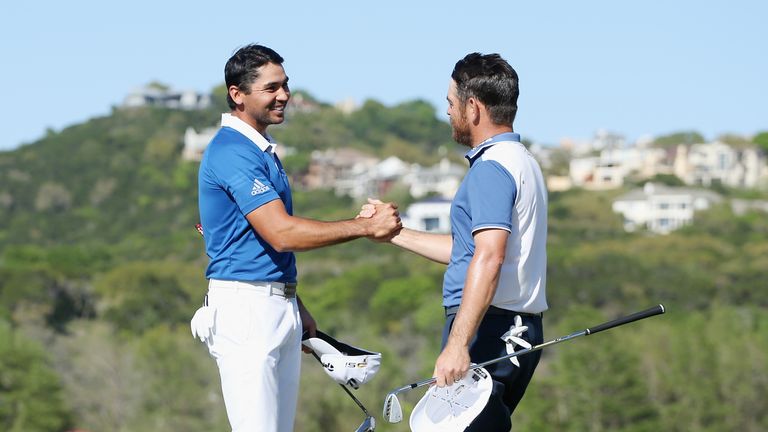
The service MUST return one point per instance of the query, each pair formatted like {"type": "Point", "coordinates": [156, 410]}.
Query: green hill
{"type": "Point", "coordinates": [101, 269]}
{"type": "Point", "coordinates": [119, 180]}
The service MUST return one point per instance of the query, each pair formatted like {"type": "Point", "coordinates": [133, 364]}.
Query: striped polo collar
{"type": "Point", "coordinates": [473, 153]}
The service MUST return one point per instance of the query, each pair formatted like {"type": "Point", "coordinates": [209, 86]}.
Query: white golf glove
{"type": "Point", "coordinates": [513, 338]}
{"type": "Point", "coordinates": [202, 323]}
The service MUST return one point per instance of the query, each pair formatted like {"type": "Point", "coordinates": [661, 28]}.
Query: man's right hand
{"type": "Point", "coordinates": [384, 220]}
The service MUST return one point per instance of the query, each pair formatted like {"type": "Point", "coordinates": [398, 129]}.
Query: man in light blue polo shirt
{"type": "Point", "coordinates": [496, 253]}
{"type": "Point", "coordinates": [253, 320]}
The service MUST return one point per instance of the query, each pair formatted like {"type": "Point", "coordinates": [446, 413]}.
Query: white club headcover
{"type": "Point", "coordinates": [513, 338]}
{"type": "Point", "coordinates": [452, 408]}
{"type": "Point", "coordinates": [344, 363]}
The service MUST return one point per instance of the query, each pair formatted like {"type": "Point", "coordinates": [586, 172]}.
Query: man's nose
{"type": "Point", "coordinates": [283, 94]}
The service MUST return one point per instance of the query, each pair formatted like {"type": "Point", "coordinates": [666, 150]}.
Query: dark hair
{"type": "Point", "coordinates": [242, 68]}
{"type": "Point", "coordinates": [491, 80]}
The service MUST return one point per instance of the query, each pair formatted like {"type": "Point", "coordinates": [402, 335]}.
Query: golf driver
{"type": "Point", "coordinates": [369, 424]}
{"type": "Point", "coordinates": [393, 412]}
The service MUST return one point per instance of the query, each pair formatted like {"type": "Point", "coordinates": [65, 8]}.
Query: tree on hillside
{"type": "Point", "coordinates": [671, 140]}
{"type": "Point", "coordinates": [180, 381]}
{"type": "Point", "coordinates": [559, 162]}
{"type": "Point", "coordinates": [139, 296]}
{"type": "Point", "coordinates": [158, 86]}
{"type": "Point", "coordinates": [665, 179]}
{"type": "Point", "coordinates": [102, 380]}
{"type": "Point", "coordinates": [761, 140]}
{"type": "Point", "coordinates": [736, 141]}
{"type": "Point", "coordinates": [31, 396]}
{"type": "Point", "coordinates": [219, 98]}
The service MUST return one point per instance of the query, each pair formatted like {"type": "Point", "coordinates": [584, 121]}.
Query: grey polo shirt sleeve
{"type": "Point", "coordinates": [492, 193]}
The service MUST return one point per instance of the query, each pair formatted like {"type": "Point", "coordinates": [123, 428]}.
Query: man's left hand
{"type": "Point", "coordinates": [451, 365]}
{"type": "Point", "coordinates": [308, 324]}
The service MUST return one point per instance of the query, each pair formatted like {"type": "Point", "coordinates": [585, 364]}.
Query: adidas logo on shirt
{"type": "Point", "coordinates": [258, 187]}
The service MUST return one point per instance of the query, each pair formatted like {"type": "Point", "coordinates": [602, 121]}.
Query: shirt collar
{"type": "Point", "coordinates": [472, 154]}
{"type": "Point", "coordinates": [266, 144]}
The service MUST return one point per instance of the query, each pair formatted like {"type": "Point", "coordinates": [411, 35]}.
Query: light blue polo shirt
{"type": "Point", "coordinates": [239, 173]}
{"type": "Point", "coordinates": [503, 189]}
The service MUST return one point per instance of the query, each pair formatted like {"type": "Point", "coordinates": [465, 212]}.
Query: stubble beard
{"type": "Point", "coordinates": [461, 132]}
{"type": "Point", "coordinates": [269, 118]}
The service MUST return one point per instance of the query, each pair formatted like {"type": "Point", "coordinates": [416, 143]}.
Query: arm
{"type": "Point", "coordinates": [308, 323]}
{"type": "Point", "coordinates": [291, 233]}
{"type": "Point", "coordinates": [479, 289]}
{"type": "Point", "coordinates": [436, 247]}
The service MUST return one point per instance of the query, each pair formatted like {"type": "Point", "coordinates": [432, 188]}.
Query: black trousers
{"type": "Point", "coordinates": [509, 381]}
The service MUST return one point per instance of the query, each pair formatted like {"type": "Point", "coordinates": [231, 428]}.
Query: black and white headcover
{"type": "Point", "coordinates": [344, 363]}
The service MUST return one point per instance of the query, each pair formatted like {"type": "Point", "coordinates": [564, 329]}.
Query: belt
{"type": "Point", "coordinates": [493, 310]}
{"type": "Point", "coordinates": [282, 289]}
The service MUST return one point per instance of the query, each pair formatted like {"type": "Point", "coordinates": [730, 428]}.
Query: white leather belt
{"type": "Point", "coordinates": [287, 290]}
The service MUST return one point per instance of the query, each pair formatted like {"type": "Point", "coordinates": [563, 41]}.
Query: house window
{"type": "Point", "coordinates": [663, 206]}
{"type": "Point", "coordinates": [431, 224]}
{"type": "Point", "coordinates": [723, 162]}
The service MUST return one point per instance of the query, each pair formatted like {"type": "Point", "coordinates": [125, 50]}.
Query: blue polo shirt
{"type": "Point", "coordinates": [239, 173]}
{"type": "Point", "coordinates": [503, 189]}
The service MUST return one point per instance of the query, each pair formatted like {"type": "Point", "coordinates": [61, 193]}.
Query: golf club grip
{"type": "Point", "coordinates": [656, 310]}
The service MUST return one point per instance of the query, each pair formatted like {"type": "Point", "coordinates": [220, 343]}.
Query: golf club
{"type": "Point", "coordinates": [393, 412]}
{"type": "Point", "coordinates": [369, 424]}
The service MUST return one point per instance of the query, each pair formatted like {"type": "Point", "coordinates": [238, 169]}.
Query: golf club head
{"type": "Point", "coordinates": [393, 412]}
{"type": "Point", "coordinates": [368, 425]}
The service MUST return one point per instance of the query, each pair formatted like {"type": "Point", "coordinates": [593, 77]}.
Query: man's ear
{"type": "Point", "coordinates": [236, 94]}
{"type": "Point", "coordinates": [474, 107]}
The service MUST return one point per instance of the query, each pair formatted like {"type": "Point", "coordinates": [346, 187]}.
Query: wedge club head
{"type": "Point", "coordinates": [393, 412]}
{"type": "Point", "coordinates": [368, 425]}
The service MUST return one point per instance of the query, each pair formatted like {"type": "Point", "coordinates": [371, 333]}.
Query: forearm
{"type": "Point", "coordinates": [479, 289]}
{"type": "Point", "coordinates": [300, 234]}
{"type": "Point", "coordinates": [436, 247]}
{"type": "Point", "coordinates": [285, 232]}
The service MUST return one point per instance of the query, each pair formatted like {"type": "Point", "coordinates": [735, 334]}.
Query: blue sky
{"type": "Point", "coordinates": [636, 68]}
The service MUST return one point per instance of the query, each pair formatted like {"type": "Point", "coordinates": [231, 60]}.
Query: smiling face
{"type": "Point", "coordinates": [265, 100]}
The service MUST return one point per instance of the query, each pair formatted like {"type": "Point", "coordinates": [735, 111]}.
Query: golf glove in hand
{"type": "Point", "coordinates": [202, 323]}
{"type": "Point", "coordinates": [513, 338]}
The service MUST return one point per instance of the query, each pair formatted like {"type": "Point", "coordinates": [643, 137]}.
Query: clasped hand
{"type": "Point", "coordinates": [383, 218]}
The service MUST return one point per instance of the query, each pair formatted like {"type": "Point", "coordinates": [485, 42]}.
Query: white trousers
{"type": "Point", "coordinates": [256, 341]}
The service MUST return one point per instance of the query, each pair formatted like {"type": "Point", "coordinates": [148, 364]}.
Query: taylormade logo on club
{"type": "Point", "coordinates": [352, 365]}
{"type": "Point", "coordinates": [258, 187]}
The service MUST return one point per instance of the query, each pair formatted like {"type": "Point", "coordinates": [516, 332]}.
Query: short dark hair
{"type": "Point", "coordinates": [491, 80]}
{"type": "Point", "coordinates": [242, 68]}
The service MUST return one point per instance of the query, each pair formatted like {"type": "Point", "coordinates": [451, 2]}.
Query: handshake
{"type": "Point", "coordinates": [383, 220]}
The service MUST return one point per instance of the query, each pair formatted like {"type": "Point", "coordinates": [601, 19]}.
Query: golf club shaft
{"type": "Point", "coordinates": [345, 389]}
{"type": "Point", "coordinates": [656, 310]}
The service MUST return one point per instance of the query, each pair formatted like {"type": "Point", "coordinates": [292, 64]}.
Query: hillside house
{"type": "Point", "coordinates": [442, 179]}
{"type": "Point", "coordinates": [430, 215]}
{"type": "Point", "coordinates": [166, 98]}
{"type": "Point", "coordinates": [717, 162]}
{"type": "Point", "coordinates": [662, 209]}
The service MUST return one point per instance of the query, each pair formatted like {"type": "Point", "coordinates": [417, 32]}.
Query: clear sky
{"type": "Point", "coordinates": [635, 68]}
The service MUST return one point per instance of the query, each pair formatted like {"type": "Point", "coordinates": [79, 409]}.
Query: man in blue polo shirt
{"type": "Point", "coordinates": [496, 253]}
{"type": "Point", "coordinates": [253, 320]}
